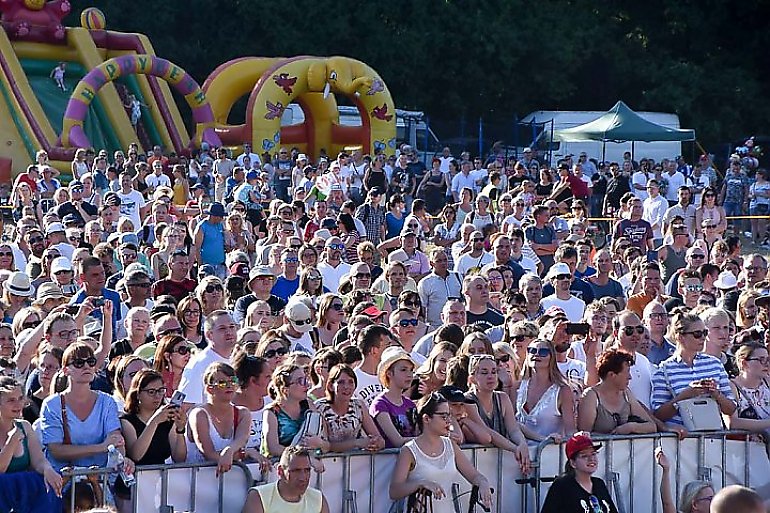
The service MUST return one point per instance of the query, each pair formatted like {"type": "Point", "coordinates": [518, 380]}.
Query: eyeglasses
{"type": "Point", "coordinates": [336, 247]}
{"type": "Point", "coordinates": [697, 334]}
{"type": "Point", "coordinates": [408, 322]}
{"type": "Point", "coordinates": [540, 352]}
{"type": "Point", "coordinates": [68, 334]}
{"type": "Point", "coordinates": [478, 240]}
{"type": "Point", "coordinates": [519, 338]}
{"type": "Point", "coordinates": [629, 330]}
{"type": "Point", "coordinates": [170, 331]}
{"type": "Point", "coordinates": [563, 276]}
{"type": "Point", "coordinates": [191, 313]}
{"type": "Point", "coordinates": [214, 288]}
{"type": "Point", "coordinates": [697, 255]}
{"type": "Point", "coordinates": [659, 315]}
{"type": "Point", "coordinates": [708, 498]}
{"type": "Point", "coordinates": [35, 240]}
{"type": "Point", "coordinates": [337, 307]}
{"type": "Point", "coordinates": [225, 383]}
{"type": "Point", "coordinates": [272, 353]}
{"type": "Point", "coordinates": [30, 324]}
{"type": "Point", "coordinates": [183, 350]}
{"type": "Point", "coordinates": [503, 359]}
{"type": "Point", "coordinates": [763, 360]}
{"type": "Point", "coordinates": [78, 363]}
{"type": "Point", "coordinates": [444, 415]}
{"type": "Point", "coordinates": [141, 285]}
{"type": "Point", "coordinates": [154, 392]}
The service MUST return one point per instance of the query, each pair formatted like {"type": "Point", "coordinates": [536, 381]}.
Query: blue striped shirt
{"type": "Point", "coordinates": [680, 375]}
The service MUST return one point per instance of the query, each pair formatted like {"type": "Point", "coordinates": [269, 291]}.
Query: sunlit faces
{"type": "Point", "coordinates": [718, 338]}
{"type": "Point", "coordinates": [400, 375]}
{"type": "Point", "coordinates": [484, 374]}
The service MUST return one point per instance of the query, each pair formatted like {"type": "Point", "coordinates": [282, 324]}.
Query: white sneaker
{"type": "Point", "coordinates": [747, 234]}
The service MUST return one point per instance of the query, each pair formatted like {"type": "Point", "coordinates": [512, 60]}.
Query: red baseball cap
{"type": "Point", "coordinates": [240, 269]}
{"type": "Point", "coordinates": [579, 441]}
{"type": "Point", "coordinates": [372, 312]}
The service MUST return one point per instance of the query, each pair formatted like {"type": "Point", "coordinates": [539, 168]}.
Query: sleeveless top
{"type": "Point", "coordinates": [194, 455]}
{"type": "Point", "coordinates": [606, 420]}
{"type": "Point", "coordinates": [342, 427]}
{"type": "Point", "coordinates": [672, 263]}
{"type": "Point", "coordinates": [440, 469]}
{"type": "Point", "coordinates": [494, 421]}
{"type": "Point", "coordinates": [20, 463]}
{"type": "Point", "coordinates": [272, 501]}
{"type": "Point", "coordinates": [712, 213]}
{"type": "Point", "coordinates": [545, 417]}
{"type": "Point", "coordinates": [213, 247]}
{"type": "Point", "coordinates": [288, 426]}
{"type": "Point", "coordinates": [81, 168]}
{"type": "Point", "coordinates": [159, 449]}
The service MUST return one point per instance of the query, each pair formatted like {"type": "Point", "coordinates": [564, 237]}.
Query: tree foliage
{"type": "Point", "coordinates": [704, 60]}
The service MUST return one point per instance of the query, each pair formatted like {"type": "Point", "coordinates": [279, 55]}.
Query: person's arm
{"type": "Point", "coordinates": [636, 428]}
{"type": "Point", "coordinates": [241, 437]}
{"type": "Point", "coordinates": [69, 452]}
{"type": "Point", "coordinates": [254, 503]}
{"type": "Point", "coordinates": [38, 461]}
{"type": "Point", "coordinates": [136, 447]}
{"type": "Point", "coordinates": [734, 421]}
{"type": "Point", "coordinates": [474, 477]}
{"type": "Point", "coordinates": [375, 442]}
{"type": "Point", "coordinates": [389, 430]}
{"type": "Point", "coordinates": [722, 226]}
{"type": "Point", "coordinates": [587, 410]}
{"type": "Point", "coordinates": [105, 338]}
{"type": "Point", "coordinates": [26, 351]}
{"type": "Point", "coordinates": [197, 243]}
{"type": "Point", "coordinates": [270, 434]}
{"type": "Point", "coordinates": [400, 484]}
{"type": "Point", "coordinates": [422, 183]}
{"type": "Point", "coordinates": [666, 497]}
{"type": "Point", "coordinates": [513, 428]}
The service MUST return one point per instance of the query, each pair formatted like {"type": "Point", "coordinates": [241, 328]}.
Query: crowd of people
{"type": "Point", "coordinates": [270, 309]}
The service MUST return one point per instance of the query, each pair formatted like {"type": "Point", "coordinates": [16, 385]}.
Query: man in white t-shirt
{"type": "Point", "coordinates": [628, 331]}
{"type": "Point", "coordinates": [639, 184]}
{"type": "Point", "coordinates": [372, 341]}
{"type": "Point", "coordinates": [561, 278]}
{"type": "Point", "coordinates": [298, 324]}
{"type": "Point", "coordinates": [445, 158]}
{"type": "Point", "coordinates": [132, 204]}
{"type": "Point", "coordinates": [157, 177]}
{"type": "Point", "coordinates": [256, 162]}
{"type": "Point", "coordinates": [474, 260]}
{"type": "Point", "coordinates": [221, 332]}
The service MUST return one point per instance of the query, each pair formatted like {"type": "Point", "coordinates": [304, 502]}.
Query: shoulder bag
{"type": "Point", "coordinates": [698, 413]}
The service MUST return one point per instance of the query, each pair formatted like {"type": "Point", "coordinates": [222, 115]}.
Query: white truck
{"type": "Point", "coordinates": [561, 119]}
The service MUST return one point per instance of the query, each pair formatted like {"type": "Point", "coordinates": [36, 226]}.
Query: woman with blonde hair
{"type": "Point", "coordinates": [26, 318]}
{"type": "Point", "coordinates": [211, 295]}
{"type": "Point", "coordinates": [330, 318]}
{"type": "Point", "coordinates": [128, 366]}
{"type": "Point", "coordinates": [431, 375]}
{"type": "Point", "coordinates": [260, 316]}
{"type": "Point", "coordinates": [746, 311]}
{"type": "Point", "coordinates": [237, 236]}
{"type": "Point", "coordinates": [218, 430]}
{"type": "Point", "coordinates": [476, 342]}
{"type": "Point", "coordinates": [545, 403]}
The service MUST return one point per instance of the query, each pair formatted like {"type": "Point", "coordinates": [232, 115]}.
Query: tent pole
{"type": "Point", "coordinates": [604, 147]}
{"type": "Point", "coordinates": [632, 150]}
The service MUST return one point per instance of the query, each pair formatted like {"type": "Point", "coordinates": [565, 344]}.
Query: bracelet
{"type": "Point", "coordinates": [179, 431]}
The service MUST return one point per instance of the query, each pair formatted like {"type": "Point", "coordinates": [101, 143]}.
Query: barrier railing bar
{"type": "Point", "coordinates": [678, 465]}
{"type": "Point", "coordinates": [654, 498]}
{"type": "Point", "coordinates": [747, 459]}
{"type": "Point", "coordinates": [499, 495]}
{"type": "Point", "coordinates": [631, 471]}
{"type": "Point", "coordinates": [371, 482]}
{"type": "Point", "coordinates": [724, 460]}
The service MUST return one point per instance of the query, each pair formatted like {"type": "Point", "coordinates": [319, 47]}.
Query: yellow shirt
{"type": "Point", "coordinates": [272, 502]}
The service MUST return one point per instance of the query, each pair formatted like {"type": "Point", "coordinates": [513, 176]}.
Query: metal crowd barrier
{"type": "Point", "coordinates": [358, 481]}
{"type": "Point", "coordinates": [180, 487]}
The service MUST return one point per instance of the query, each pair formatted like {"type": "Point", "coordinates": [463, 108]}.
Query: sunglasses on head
{"type": "Point", "coordinates": [629, 330]}
{"type": "Point", "coordinates": [540, 352]}
{"type": "Point", "coordinates": [78, 363]}
{"type": "Point", "coordinates": [272, 353]}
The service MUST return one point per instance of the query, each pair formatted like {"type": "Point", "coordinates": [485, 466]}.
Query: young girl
{"type": "Point", "coordinates": [57, 74]}
{"type": "Point", "coordinates": [391, 409]}
{"type": "Point", "coordinates": [135, 107]}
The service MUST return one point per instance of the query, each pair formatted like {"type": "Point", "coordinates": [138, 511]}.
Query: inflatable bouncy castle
{"type": "Point", "coordinates": [63, 88]}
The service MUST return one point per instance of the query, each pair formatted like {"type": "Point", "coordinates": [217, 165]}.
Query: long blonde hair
{"type": "Point", "coordinates": [554, 374]}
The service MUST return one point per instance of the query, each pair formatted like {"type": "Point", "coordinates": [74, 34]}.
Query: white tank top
{"type": "Point", "coordinates": [218, 441]}
{"type": "Point", "coordinates": [440, 469]}
{"type": "Point", "coordinates": [545, 417]}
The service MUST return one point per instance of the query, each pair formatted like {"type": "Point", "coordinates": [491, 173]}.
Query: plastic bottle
{"type": "Point", "coordinates": [115, 460]}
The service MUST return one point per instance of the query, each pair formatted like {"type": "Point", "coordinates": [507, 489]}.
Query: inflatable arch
{"type": "Point", "coordinates": [276, 82]}
{"type": "Point", "coordinates": [72, 128]}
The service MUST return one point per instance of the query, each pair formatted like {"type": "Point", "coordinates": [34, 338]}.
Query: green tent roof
{"type": "Point", "coordinates": [621, 124]}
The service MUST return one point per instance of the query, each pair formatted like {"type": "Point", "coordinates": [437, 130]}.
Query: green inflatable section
{"type": "Point", "coordinates": [54, 101]}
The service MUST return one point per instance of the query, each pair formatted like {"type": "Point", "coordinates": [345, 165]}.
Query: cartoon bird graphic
{"type": "Point", "coordinates": [274, 110]}
{"type": "Point", "coordinates": [381, 113]}
{"type": "Point", "coordinates": [285, 82]}
{"type": "Point", "coordinates": [376, 87]}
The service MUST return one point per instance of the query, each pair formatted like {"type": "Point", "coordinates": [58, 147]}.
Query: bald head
{"type": "Point", "coordinates": [737, 499]}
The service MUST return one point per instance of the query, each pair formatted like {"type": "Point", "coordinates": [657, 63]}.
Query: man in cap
{"type": "Point", "coordinates": [578, 287]}
{"type": "Point", "coordinates": [298, 323]}
{"type": "Point", "coordinates": [209, 240]}
{"type": "Point", "coordinates": [332, 268]}
{"type": "Point", "coordinates": [77, 206]}
{"type": "Point", "coordinates": [178, 282]}
{"type": "Point", "coordinates": [137, 283]}
{"type": "Point", "coordinates": [561, 278]}
{"type": "Point", "coordinates": [261, 281]}
{"type": "Point", "coordinates": [56, 236]}
{"type": "Point", "coordinates": [63, 275]}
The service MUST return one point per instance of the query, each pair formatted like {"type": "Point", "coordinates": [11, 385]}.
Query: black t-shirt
{"type": "Point", "coordinates": [491, 317]}
{"type": "Point", "coordinates": [543, 190]}
{"type": "Point", "coordinates": [567, 496]}
{"type": "Point", "coordinates": [68, 208]}
{"type": "Point", "coordinates": [599, 187]}
{"type": "Point", "coordinates": [416, 169]}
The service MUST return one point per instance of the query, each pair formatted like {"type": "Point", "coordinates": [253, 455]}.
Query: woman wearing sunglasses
{"type": "Point", "coordinates": [284, 417]}
{"type": "Point", "coordinates": [273, 347]}
{"type": "Point", "coordinates": [545, 403]}
{"type": "Point", "coordinates": [218, 430]}
{"type": "Point", "coordinates": [751, 389]}
{"type": "Point", "coordinates": [689, 372]}
{"type": "Point", "coordinates": [609, 407]}
{"type": "Point", "coordinates": [432, 462]}
{"type": "Point", "coordinates": [171, 356]}
{"type": "Point", "coordinates": [331, 317]}
{"type": "Point", "coordinates": [210, 292]}
{"type": "Point", "coordinates": [410, 300]}
{"type": "Point", "coordinates": [78, 424]}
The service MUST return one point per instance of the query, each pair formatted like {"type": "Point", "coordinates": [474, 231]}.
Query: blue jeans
{"type": "Point", "coordinates": [733, 208]}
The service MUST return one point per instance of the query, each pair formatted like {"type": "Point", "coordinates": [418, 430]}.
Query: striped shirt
{"type": "Point", "coordinates": [680, 375]}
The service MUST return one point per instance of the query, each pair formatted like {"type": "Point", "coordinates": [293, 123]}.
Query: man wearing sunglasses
{"type": "Point", "coordinates": [560, 277]}
{"type": "Point", "coordinates": [332, 268]}
{"type": "Point", "coordinates": [403, 324]}
{"type": "Point", "coordinates": [261, 281]}
{"type": "Point", "coordinates": [475, 256]}
{"type": "Point", "coordinates": [288, 282]}
{"type": "Point", "coordinates": [628, 332]}
{"type": "Point", "coordinates": [297, 327]}
{"type": "Point", "coordinates": [694, 258]}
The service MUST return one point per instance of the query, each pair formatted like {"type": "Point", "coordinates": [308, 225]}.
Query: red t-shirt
{"type": "Point", "coordinates": [579, 187]}
{"type": "Point", "coordinates": [27, 179]}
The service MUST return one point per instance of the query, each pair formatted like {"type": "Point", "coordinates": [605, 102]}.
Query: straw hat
{"type": "Point", "coordinates": [390, 356]}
